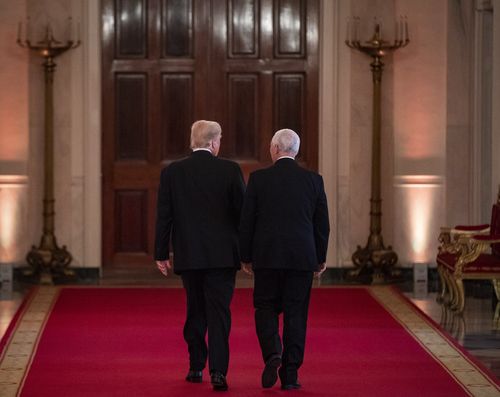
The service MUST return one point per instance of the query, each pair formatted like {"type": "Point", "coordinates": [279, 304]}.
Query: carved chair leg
{"type": "Point", "coordinates": [461, 295]}
{"type": "Point", "coordinates": [441, 296]}
{"type": "Point", "coordinates": [460, 335]}
{"type": "Point", "coordinates": [454, 291]}
{"type": "Point", "coordinates": [496, 317]}
{"type": "Point", "coordinates": [448, 300]}
{"type": "Point", "coordinates": [444, 317]}
{"type": "Point", "coordinates": [496, 286]}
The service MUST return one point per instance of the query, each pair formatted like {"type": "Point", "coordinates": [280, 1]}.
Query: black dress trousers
{"type": "Point", "coordinates": [209, 294]}
{"type": "Point", "coordinates": [282, 291]}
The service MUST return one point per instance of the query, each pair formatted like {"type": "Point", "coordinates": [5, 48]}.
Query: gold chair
{"type": "Point", "coordinates": [465, 254]}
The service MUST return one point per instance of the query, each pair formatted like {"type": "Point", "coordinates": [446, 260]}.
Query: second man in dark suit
{"type": "Point", "coordinates": [284, 233]}
{"type": "Point", "coordinates": [199, 205]}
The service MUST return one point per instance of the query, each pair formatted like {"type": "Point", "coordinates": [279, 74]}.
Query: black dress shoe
{"type": "Point", "coordinates": [270, 373]}
{"type": "Point", "coordinates": [194, 376]}
{"type": "Point", "coordinates": [218, 381]}
{"type": "Point", "coordinates": [291, 386]}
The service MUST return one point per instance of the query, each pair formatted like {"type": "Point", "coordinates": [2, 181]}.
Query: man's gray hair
{"type": "Point", "coordinates": [203, 132]}
{"type": "Point", "coordinates": [287, 141]}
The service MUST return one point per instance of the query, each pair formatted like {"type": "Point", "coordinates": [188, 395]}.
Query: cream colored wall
{"type": "Point", "coordinates": [76, 129]}
{"type": "Point", "coordinates": [345, 161]}
{"type": "Point", "coordinates": [414, 130]}
{"type": "Point", "coordinates": [427, 129]}
{"type": "Point", "coordinates": [420, 118]}
{"type": "Point", "coordinates": [14, 135]}
{"type": "Point", "coordinates": [329, 116]}
{"type": "Point", "coordinates": [495, 147]}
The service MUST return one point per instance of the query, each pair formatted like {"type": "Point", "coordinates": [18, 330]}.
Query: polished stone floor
{"type": "Point", "coordinates": [478, 330]}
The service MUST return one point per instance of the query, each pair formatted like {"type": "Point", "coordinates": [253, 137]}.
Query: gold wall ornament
{"type": "Point", "coordinates": [48, 258]}
{"type": "Point", "coordinates": [375, 260]}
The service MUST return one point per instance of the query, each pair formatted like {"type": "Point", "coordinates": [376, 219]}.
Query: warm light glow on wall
{"type": "Point", "coordinates": [14, 80]}
{"type": "Point", "coordinates": [7, 225]}
{"type": "Point", "coordinates": [415, 143]}
{"type": "Point", "coordinates": [419, 214]}
{"type": "Point", "coordinates": [12, 218]}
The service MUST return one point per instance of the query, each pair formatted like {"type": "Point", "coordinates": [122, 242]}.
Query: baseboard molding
{"type": "Point", "coordinates": [331, 276]}
{"type": "Point", "coordinates": [82, 275]}
{"type": "Point", "coordinates": [341, 275]}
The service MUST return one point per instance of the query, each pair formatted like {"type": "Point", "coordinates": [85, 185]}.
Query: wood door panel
{"type": "Point", "coordinates": [137, 175]}
{"type": "Point", "coordinates": [131, 116]}
{"type": "Point", "coordinates": [251, 65]}
{"type": "Point", "coordinates": [131, 35]}
{"type": "Point", "coordinates": [289, 110]}
{"type": "Point", "coordinates": [131, 221]}
{"type": "Point", "coordinates": [243, 32]}
{"type": "Point", "coordinates": [289, 27]}
{"type": "Point", "coordinates": [177, 28]}
{"type": "Point", "coordinates": [243, 121]}
{"type": "Point", "coordinates": [177, 105]}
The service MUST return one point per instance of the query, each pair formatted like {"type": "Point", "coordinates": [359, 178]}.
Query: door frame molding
{"type": "Point", "coordinates": [92, 134]}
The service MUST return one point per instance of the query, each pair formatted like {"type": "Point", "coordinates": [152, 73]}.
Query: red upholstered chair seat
{"type": "Point", "coordinates": [473, 228]}
{"type": "Point", "coordinates": [448, 260]}
{"type": "Point", "coordinates": [486, 263]}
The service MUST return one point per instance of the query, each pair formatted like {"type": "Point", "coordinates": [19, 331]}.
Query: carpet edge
{"type": "Point", "coordinates": [22, 344]}
{"type": "Point", "coordinates": [464, 368]}
{"type": "Point", "coordinates": [15, 320]}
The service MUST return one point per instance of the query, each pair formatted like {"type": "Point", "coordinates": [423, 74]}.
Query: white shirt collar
{"type": "Point", "coordinates": [285, 157]}
{"type": "Point", "coordinates": [202, 148]}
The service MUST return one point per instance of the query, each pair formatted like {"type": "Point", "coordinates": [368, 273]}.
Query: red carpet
{"type": "Point", "coordinates": [128, 342]}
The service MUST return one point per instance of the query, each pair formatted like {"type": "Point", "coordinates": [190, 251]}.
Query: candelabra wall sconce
{"type": "Point", "coordinates": [48, 259]}
{"type": "Point", "coordinates": [375, 260]}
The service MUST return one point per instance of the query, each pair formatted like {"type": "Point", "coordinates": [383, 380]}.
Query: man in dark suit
{"type": "Point", "coordinates": [199, 205]}
{"type": "Point", "coordinates": [284, 233]}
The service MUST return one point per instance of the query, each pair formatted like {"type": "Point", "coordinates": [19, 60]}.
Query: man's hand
{"type": "Point", "coordinates": [247, 268]}
{"type": "Point", "coordinates": [164, 266]}
{"type": "Point", "coordinates": [321, 269]}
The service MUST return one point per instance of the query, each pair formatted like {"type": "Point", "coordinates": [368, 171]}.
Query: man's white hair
{"type": "Point", "coordinates": [203, 132]}
{"type": "Point", "coordinates": [287, 141]}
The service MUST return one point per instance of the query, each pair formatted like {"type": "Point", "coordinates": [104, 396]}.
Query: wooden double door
{"type": "Point", "coordinates": [251, 65]}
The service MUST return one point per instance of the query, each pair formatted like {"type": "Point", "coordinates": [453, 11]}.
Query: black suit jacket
{"type": "Point", "coordinates": [284, 222]}
{"type": "Point", "coordinates": [199, 206]}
